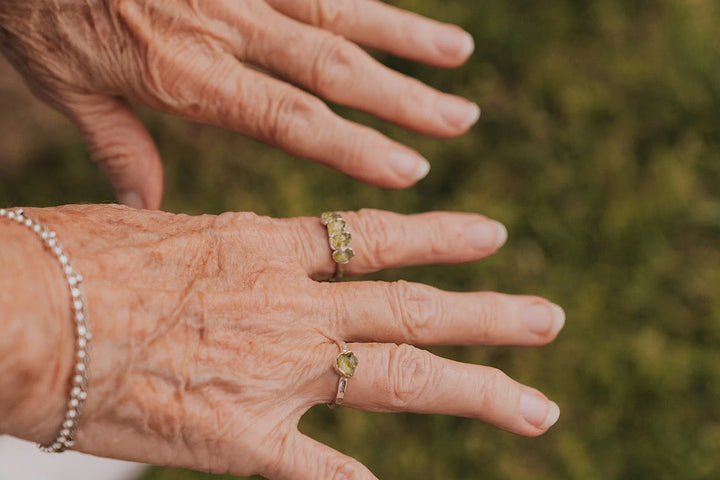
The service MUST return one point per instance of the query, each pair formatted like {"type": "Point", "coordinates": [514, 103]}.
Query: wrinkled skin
{"type": "Point", "coordinates": [191, 58]}
{"type": "Point", "coordinates": [212, 336]}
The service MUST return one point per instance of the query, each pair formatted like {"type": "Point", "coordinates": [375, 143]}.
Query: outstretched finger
{"type": "Point", "coordinates": [383, 239]}
{"type": "Point", "coordinates": [402, 378]}
{"type": "Point", "coordinates": [122, 147]}
{"type": "Point", "coordinates": [405, 312]}
{"type": "Point", "coordinates": [384, 27]}
{"type": "Point", "coordinates": [340, 71]}
{"type": "Point", "coordinates": [250, 102]}
{"type": "Point", "coordinates": [306, 459]}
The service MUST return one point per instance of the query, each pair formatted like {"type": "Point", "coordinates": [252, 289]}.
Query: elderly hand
{"type": "Point", "coordinates": [86, 58]}
{"type": "Point", "coordinates": [212, 335]}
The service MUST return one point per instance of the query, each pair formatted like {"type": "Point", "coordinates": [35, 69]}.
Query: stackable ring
{"type": "Point", "coordinates": [339, 239]}
{"type": "Point", "coordinates": [345, 364]}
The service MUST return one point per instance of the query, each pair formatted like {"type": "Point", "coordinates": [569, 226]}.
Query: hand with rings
{"type": "Point", "coordinates": [205, 61]}
{"type": "Point", "coordinates": [213, 335]}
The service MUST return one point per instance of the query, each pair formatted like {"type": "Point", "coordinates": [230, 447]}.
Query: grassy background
{"type": "Point", "coordinates": [598, 147]}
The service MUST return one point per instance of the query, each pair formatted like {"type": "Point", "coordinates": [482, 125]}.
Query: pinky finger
{"type": "Point", "coordinates": [307, 459]}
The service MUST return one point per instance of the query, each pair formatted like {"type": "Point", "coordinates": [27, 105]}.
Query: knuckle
{"type": "Point", "coordinates": [410, 375]}
{"type": "Point", "coordinates": [114, 162]}
{"type": "Point", "coordinates": [171, 81]}
{"type": "Point", "coordinates": [343, 469]}
{"type": "Point", "coordinates": [185, 77]}
{"type": "Point", "coordinates": [415, 307]}
{"type": "Point", "coordinates": [332, 66]}
{"type": "Point", "coordinates": [412, 94]}
{"type": "Point", "coordinates": [288, 118]}
{"type": "Point", "coordinates": [490, 315]}
{"type": "Point", "coordinates": [441, 239]}
{"type": "Point", "coordinates": [381, 235]}
{"type": "Point", "coordinates": [492, 390]}
{"type": "Point", "coordinates": [332, 14]}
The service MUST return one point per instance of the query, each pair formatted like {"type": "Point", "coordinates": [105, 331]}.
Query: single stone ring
{"type": "Point", "coordinates": [345, 364]}
{"type": "Point", "coordinates": [339, 239]}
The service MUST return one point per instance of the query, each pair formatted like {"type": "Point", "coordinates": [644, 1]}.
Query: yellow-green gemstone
{"type": "Point", "coordinates": [328, 217]}
{"type": "Point", "coordinates": [340, 241]}
{"type": "Point", "coordinates": [336, 226]}
{"type": "Point", "coordinates": [346, 363]}
{"type": "Point", "coordinates": [343, 256]}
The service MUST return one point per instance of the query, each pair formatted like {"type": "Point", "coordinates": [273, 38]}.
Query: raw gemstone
{"type": "Point", "coordinates": [340, 241]}
{"type": "Point", "coordinates": [346, 363]}
{"type": "Point", "coordinates": [343, 256]}
{"type": "Point", "coordinates": [328, 217]}
{"type": "Point", "coordinates": [336, 226]}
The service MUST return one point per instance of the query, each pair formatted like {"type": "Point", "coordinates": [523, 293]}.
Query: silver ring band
{"type": "Point", "coordinates": [345, 364]}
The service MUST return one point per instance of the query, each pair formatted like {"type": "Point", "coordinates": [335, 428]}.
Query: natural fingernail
{"type": "Point", "coordinates": [454, 44]}
{"type": "Point", "coordinates": [539, 411]}
{"type": "Point", "coordinates": [544, 319]}
{"type": "Point", "coordinates": [458, 112]}
{"type": "Point", "coordinates": [131, 199]}
{"type": "Point", "coordinates": [487, 234]}
{"type": "Point", "coordinates": [409, 166]}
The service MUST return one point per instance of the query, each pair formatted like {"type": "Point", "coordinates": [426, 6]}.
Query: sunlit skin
{"type": "Point", "coordinates": [201, 60]}
{"type": "Point", "coordinates": [213, 335]}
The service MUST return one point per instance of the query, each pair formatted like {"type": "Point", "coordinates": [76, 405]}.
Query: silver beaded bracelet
{"type": "Point", "coordinates": [78, 391]}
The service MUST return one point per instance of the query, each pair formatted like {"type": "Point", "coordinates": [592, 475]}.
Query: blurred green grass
{"type": "Point", "coordinates": [598, 148]}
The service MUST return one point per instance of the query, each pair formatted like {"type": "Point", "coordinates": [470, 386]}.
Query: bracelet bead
{"type": "Point", "coordinates": [65, 438]}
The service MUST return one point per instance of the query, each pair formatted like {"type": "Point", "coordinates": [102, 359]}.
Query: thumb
{"type": "Point", "coordinates": [121, 145]}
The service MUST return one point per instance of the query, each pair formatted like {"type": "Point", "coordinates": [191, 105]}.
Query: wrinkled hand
{"type": "Point", "coordinates": [212, 335]}
{"type": "Point", "coordinates": [86, 58]}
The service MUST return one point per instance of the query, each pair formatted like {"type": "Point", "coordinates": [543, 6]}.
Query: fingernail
{"type": "Point", "coordinates": [487, 234]}
{"type": "Point", "coordinates": [408, 165]}
{"type": "Point", "coordinates": [539, 411]}
{"type": "Point", "coordinates": [131, 199]}
{"type": "Point", "coordinates": [458, 112]}
{"type": "Point", "coordinates": [544, 318]}
{"type": "Point", "coordinates": [453, 43]}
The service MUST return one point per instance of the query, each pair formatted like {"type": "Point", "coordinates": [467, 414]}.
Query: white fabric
{"type": "Point", "coordinates": [20, 460]}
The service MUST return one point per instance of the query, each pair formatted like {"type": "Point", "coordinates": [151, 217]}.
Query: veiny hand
{"type": "Point", "coordinates": [212, 336]}
{"type": "Point", "coordinates": [189, 58]}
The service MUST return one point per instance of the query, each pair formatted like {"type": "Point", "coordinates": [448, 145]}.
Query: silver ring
{"type": "Point", "coordinates": [339, 240]}
{"type": "Point", "coordinates": [345, 364]}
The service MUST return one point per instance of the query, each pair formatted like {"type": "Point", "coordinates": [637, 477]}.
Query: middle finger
{"type": "Point", "coordinates": [402, 378]}
{"type": "Point", "coordinates": [404, 312]}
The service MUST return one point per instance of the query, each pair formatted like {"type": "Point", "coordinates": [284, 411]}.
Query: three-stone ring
{"type": "Point", "coordinates": [345, 364]}
{"type": "Point", "coordinates": [339, 239]}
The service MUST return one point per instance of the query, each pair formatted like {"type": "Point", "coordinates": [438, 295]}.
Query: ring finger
{"type": "Point", "coordinates": [402, 378]}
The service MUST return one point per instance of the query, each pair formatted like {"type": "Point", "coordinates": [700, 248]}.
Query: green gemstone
{"type": "Point", "coordinates": [328, 217]}
{"type": "Point", "coordinates": [343, 256]}
{"type": "Point", "coordinates": [336, 226]}
{"type": "Point", "coordinates": [346, 363]}
{"type": "Point", "coordinates": [340, 241]}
